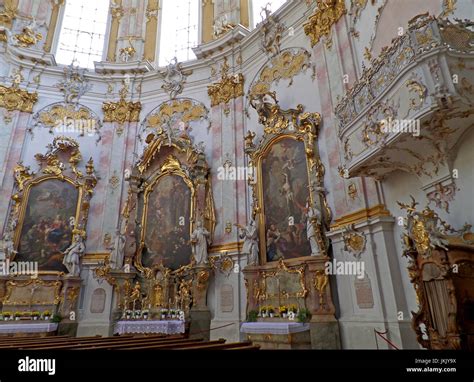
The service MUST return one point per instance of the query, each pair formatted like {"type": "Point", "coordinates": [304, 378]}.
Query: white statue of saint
{"type": "Point", "coordinates": [118, 247]}
{"type": "Point", "coordinates": [250, 236]}
{"type": "Point", "coordinates": [199, 241]}
{"type": "Point", "coordinates": [73, 254]}
{"type": "Point", "coordinates": [313, 217]}
{"type": "Point", "coordinates": [8, 247]}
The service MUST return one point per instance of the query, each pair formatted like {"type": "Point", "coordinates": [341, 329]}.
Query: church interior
{"type": "Point", "coordinates": [236, 174]}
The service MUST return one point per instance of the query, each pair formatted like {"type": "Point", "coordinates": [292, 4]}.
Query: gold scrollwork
{"type": "Point", "coordinates": [14, 98]}
{"type": "Point", "coordinates": [187, 109]}
{"type": "Point", "coordinates": [320, 23]}
{"type": "Point", "coordinates": [286, 65]}
{"type": "Point", "coordinates": [229, 87]}
{"type": "Point", "coordinates": [35, 283]}
{"type": "Point", "coordinates": [282, 268]}
{"type": "Point", "coordinates": [122, 111]}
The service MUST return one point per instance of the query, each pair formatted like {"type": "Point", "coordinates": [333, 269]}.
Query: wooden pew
{"type": "Point", "coordinates": [135, 343]}
{"type": "Point", "coordinates": [171, 346]}
{"type": "Point", "coordinates": [106, 344]}
{"type": "Point", "coordinates": [223, 346]}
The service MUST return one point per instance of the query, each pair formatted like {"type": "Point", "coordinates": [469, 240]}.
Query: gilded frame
{"type": "Point", "coordinates": [59, 163]}
{"type": "Point", "coordinates": [52, 283]}
{"type": "Point", "coordinates": [279, 125]}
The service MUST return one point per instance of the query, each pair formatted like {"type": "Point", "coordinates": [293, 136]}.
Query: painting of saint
{"type": "Point", "coordinates": [167, 232]}
{"type": "Point", "coordinates": [47, 224]}
{"type": "Point", "coordinates": [285, 191]}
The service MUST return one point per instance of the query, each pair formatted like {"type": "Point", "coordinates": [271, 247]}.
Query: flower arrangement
{"type": "Point", "coordinates": [35, 314]}
{"type": "Point", "coordinates": [18, 315]}
{"type": "Point", "coordinates": [283, 311]}
{"type": "Point", "coordinates": [164, 313]}
{"type": "Point", "coordinates": [46, 315]}
{"type": "Point", "coordinates": [27, 314]}
{"type": "Point", "coordinates": [293, 308]}
{"type": "Point", "coordinates": [128, 314]}
{"type": "Point", "coordinates": [145, 314]}
{"type": "Point", "coordinates": [7, 315]}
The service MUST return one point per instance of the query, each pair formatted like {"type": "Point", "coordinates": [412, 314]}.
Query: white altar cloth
{"type": "Point", "coordinates": [39, 327]}
{"type": "Point", "coordinates": [273, 327]}
{"type": "Point", "coordinates": [147, 326]}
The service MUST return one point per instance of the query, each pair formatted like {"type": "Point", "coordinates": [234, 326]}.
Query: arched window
{"type": "Point", "coordinates": [257, 6]}
{"type": "Point", "coordinates": [179, 30]}
{"type": "Point", "coordinates": [82, 33]}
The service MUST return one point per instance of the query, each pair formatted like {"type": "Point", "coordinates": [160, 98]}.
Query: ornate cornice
{"type": "Point", "coordinates": [14, 98]}
{"type": "Point", "coordinates": [320, 23]}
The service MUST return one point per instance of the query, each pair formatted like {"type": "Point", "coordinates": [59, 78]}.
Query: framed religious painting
{"type": "Point", "coordinates": [47, 221]}
{"type": "Point", "coordinates": [288, 197]}
{"type": "Point", "coordinates": [51, 206]}
{"type": "Point", "coordinates": [166, 222]}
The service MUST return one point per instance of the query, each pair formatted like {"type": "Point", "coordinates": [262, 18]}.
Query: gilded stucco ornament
{"type": "Point", "coordinates": [28, 35]}
{"type": "Point", "coordinates": [319, 25]}
{"type": "Point", "coordinates": [354, 241]}
{"type": "Point", "coordinates": [425, 230]}
{"type": "Point", "coordinates": [230, 86]}
{"type": "Point", "coordinates": [122, 111]}
{"type": "Point", "coordinates": [14, 98]}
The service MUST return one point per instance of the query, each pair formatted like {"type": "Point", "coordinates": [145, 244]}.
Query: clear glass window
{"type": "Point", "coordinates": [179, 30]}
{"type": "Point", "coordinates": [82, 32]}
{"type": "Point", "coordinates": [257, 6]}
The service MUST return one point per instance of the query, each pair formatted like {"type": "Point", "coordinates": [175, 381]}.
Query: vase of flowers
{"type": "Point", "coordinates": [128, 314]}
{"type": "Point", "coordinates": [173, 313]}
{"type": "Point", "coordinates": [35, 314]}
{"type": "Point", "coordinates": [271, 311]}
{"type": "Point", "coordinates": [46, 315]}
{"type": "Point", "coordinates": [283, 311]}
{"type": "Point", "coordinates": [145, 314]}
{"type": "Point", "coordinates": [164, 313]}
{"type": "Point", "coordinates": [7, 315]}
{"type": "Point", "coordinates": [17, 315]}
{"type": "Point", "coordinates": [264, 312]}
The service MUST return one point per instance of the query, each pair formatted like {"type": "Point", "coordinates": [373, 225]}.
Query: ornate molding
{"type": "Point", "coordinates": [354, 241]}
{"type": "Point", "coordinates": [14, 98]}
{"type": "Point", "coordinates": [362, 215]}
{"type": "Point", "coordinates": [122, 111]}
{"type": "Point", "coordinates": [320, 23]}
{"type": "Point", "coordinates": [74, 84]}
{"type": "Point", "coordinates": [174, 78]}
{"type": "Point", "coordinates": [183, 109]}
{"type": "Point", "coordinates": [229, 87]}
